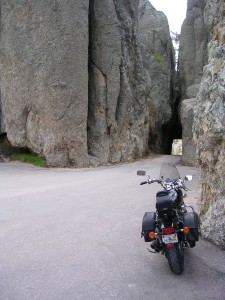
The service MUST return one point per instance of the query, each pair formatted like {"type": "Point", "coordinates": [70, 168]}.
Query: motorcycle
{"type": "Point", "coordinates": [174, 226]}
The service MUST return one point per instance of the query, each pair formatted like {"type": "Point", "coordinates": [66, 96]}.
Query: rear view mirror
{"type": "Point", "coordinates": [141, 173]}
{"type": "Point", "coordinates": [188, 178]}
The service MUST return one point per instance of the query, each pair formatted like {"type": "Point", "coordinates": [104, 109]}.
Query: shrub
{"type": "Point", "coordinates": [29, 158]}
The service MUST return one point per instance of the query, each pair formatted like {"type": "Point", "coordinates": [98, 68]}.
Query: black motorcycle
{"type": "Point", "coordinates": [174, 225]}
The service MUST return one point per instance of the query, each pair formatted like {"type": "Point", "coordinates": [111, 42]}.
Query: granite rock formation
{"type": "Point", "coordinates": [44, 78]}
{"type": "Point", "coordinates": [192, 49]}
{"type": "Point", "coordinates": [188, 145]}
{"type": "Point", "coordinates": [1, 121]}
{"type": "Point", "coordinates": [117, 118]}
{"type": "Point", "coordinates": [159, 63]}
{"type": "Point", "coordinates": [192, 58]}
{"type": "Point", "coordinates": [209, 127]}
{"type": "Point", "coordinates": [75, 87]}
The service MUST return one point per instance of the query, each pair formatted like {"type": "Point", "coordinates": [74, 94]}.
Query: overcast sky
{"type": "Point", "coordinates": [175, 10]}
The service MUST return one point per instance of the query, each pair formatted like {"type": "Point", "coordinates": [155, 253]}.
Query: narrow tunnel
{"type": "Point", "coordinates": [170, 132]}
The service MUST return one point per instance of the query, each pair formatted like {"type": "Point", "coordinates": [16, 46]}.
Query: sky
{"type": "Point", "coordinates": [175, 10]}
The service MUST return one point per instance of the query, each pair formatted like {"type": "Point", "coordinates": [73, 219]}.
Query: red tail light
{"type": "Point", "coordinates": [169, 230]}
{"type": "Point", "coordinates": [169, 246]}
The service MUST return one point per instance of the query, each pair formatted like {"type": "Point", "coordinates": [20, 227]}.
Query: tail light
{"type": "Point", "coordinates": [168, 230]}
{"type": "Point", "coordinates": [151, 235]}
{"type": "Point", "coordinates": [169, 246]}
{"type": "Point", "coordinates": [186, 230]}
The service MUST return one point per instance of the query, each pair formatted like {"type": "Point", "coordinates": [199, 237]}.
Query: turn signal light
{"type": "Point", "coordinates": [151, 235]}
{"type": "Point", "coordinates": [186, 230]}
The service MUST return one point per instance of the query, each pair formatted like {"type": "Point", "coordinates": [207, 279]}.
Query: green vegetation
{"type": "Point", "coordinates": [159, 59]}
{"type": "Point", "coordinates": [8, 152]}
{"type": "Point", "coordinates": [29, 158]}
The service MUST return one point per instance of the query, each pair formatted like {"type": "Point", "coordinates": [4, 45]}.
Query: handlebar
{"type": "Point", "coordinates": [143, 182]}
{"type": "Point", "coordinates": [149, 181]}
{"type": "Point", "coordinates": [177, 184]}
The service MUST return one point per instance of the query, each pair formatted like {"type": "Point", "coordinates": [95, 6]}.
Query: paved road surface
{"type": "Point", "coordinates": [68, 234]}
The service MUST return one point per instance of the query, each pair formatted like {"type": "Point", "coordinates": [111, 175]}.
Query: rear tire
{"type": "Point", "coordinates": [175, 258]}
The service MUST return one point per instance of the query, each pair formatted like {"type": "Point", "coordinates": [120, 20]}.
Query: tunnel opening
{"type": "Point", "coordinates": [170, 132]}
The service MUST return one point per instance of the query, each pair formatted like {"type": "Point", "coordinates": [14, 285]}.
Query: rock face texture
{"type": "Point", "coordinates": [118, 117]}
{"type": "Point", "coordinates": [209, 127]}
{"type": "Point", "coordinates": [44, 78]}
{"type": "Point", "coordinates": [192, 49]}
{"type": "Point", "coordinates": [0, 115]}
{"type": "Point", "coordinates": [188, 145]}
{"type": "Point", "coordinates": [192, 58]}
{"type": "Point", "coordinates": [158, 60]}
{"type": "Point", "coordinates": [75, 81]}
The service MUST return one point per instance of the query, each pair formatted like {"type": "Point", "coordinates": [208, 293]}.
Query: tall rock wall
{"type": "Point", "coordinates": [188, 145]}
{"type": "Point", "coordinates": [75, 87]}
{"type": "Point", "coordinates": [118, 118]}
{"type": "Point", "coordinates": [44, 77]}
{"type": "Point", "coordinates": [209, 127]}
{"type": "Point", "coordinates": [192, 58]}
{"type": "Point", "coordinates": [192, 49]}
{"type": "Point", "coordinates": [158, 59]}
{"type": "Point", "coordinates": [1, 121]}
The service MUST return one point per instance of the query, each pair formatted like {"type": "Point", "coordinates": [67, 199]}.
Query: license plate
{"type": "Point", "coordinates": [170, 238]}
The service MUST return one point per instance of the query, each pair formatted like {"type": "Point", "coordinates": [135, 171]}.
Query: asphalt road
{"type": "Point", "coordinates": [68, 234]}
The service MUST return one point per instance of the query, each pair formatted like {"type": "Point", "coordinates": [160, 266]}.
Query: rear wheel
{"type": "Point", "coordinates": [175, 258]}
